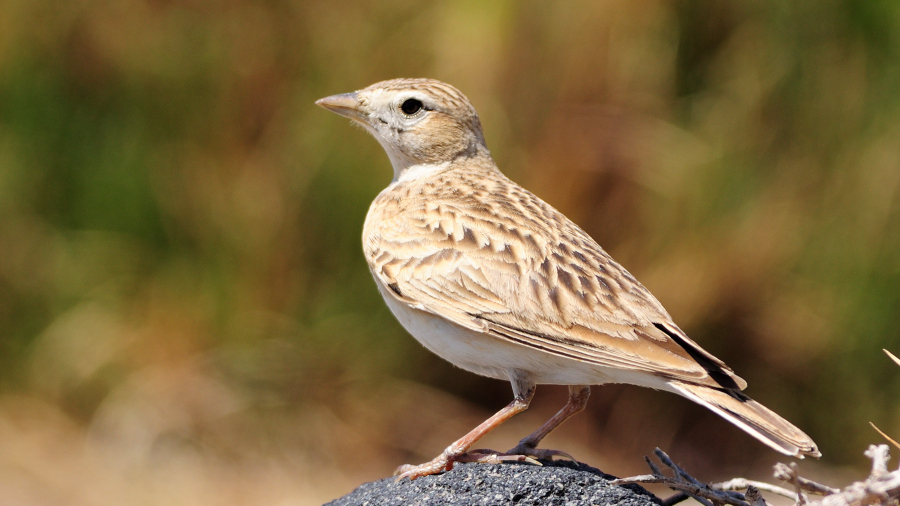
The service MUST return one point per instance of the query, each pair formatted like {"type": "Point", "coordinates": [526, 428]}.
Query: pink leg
{"type": "Point", "coordinates": [578, 397]}
{"type": "Point", "coordinates": [456, 452]}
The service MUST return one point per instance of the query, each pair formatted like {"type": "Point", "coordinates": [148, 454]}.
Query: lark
{"type": "Point", "coordinates": [496, 281]}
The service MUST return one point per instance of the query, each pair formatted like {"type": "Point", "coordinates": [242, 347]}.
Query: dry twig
{"type": "Point", "coordinates": [789, 474]}
{"type": "Point", "coordinates": [701, 492]}
{"type": "Point", "coordinates": [881, 488]}
{"type": "Point", "coordinates": [891, 440]}
{"type": "Point", "coordinates": [745, 484]}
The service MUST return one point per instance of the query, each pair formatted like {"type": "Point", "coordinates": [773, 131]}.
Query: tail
{"type": "Point", "coordinates": [758, 420]}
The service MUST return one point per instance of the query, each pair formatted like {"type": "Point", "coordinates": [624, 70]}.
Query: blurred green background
{"type": "Point", "coordinates": [185, 313]}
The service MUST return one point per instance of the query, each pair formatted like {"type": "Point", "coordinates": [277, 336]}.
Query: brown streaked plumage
{"type": "Point", "coordinates": [490, 277]}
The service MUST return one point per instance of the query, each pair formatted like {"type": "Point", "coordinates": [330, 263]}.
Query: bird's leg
{"type": "Point", "coordinates": [578, 397]}
{"type": "Point", "coordinates": [457, 452]}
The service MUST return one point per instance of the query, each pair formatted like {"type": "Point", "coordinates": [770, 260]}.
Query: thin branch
{"type": "Point", "coordinates": [895, 359]}
{"type": "Point", "coordinates": [652, 465]}
{"type": "Point", "coordinates": [687, 484]}
{"type": "Point", "coordinates": [884, 435]}
{"type": "Point", "coordinates": [795, 474]}
{"type": "Point", "coordinates": [785, 473]}
{"type": "Point", "coordinates": [744, 484]}
{"type": "Point", "coordinates": [881, 488]}
{"type": "Point", "coordinates": [701, 494]}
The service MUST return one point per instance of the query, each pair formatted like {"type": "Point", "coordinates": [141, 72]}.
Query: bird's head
{"type": "Point", "coordinates": [419, 122]}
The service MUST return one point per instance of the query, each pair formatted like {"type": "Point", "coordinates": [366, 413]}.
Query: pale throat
{"type": "Point", "coordinates": [422, 170]}
{"type": "Point", "coordinates": [407, 168]}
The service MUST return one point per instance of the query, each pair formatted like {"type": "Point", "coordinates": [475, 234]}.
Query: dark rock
{"type": "Point", "coordinates": [554, 483]}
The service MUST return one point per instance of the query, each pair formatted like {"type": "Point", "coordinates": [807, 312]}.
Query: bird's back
{"type": "Point", "coordinates": [470, 245]}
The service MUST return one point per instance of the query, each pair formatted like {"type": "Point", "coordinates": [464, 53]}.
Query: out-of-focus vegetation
{"type": "Point", "coordinates": [185, 313]}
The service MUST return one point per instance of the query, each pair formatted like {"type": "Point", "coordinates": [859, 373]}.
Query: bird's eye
{"type": "Point", "coordinates": [411, 106]}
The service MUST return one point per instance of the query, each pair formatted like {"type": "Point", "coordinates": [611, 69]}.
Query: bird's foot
{"type": "Point", "coordinates": [538, 453]}
{"type": "Point", "coordinates": [445, 461]}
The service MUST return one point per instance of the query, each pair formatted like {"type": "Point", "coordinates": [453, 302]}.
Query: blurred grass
{"type": "Point", "coordinates": [181, 282]}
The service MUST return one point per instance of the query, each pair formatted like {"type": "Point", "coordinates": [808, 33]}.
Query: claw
{"type": "Point", "coordinates": [412, 472]}
{"type": "Point", "coordinates": [494, 457]}
{"type": "Point", "coordinates": [539, 453]}
{"type": "Point", "coordinates": [445, 462]}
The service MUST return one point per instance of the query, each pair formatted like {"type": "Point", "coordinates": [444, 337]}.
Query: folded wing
{"type": "Point", "coordinates": [525, 273]}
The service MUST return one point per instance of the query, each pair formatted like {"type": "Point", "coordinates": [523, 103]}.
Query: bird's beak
{"type": "Point", "coordinates": [345, 104]}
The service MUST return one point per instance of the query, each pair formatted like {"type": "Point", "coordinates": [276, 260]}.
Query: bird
{"type": "Point", "coordinates": [491, 278]}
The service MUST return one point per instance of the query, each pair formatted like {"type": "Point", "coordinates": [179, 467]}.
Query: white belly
{"type": "Point", "coordinates": [494, 357]}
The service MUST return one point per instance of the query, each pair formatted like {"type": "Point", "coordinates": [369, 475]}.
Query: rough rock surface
{"type": "Point", "coordinates": [554, 483]}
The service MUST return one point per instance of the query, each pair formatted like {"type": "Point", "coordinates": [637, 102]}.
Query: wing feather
{"type": "Point", "coordinates": [516, 268]}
